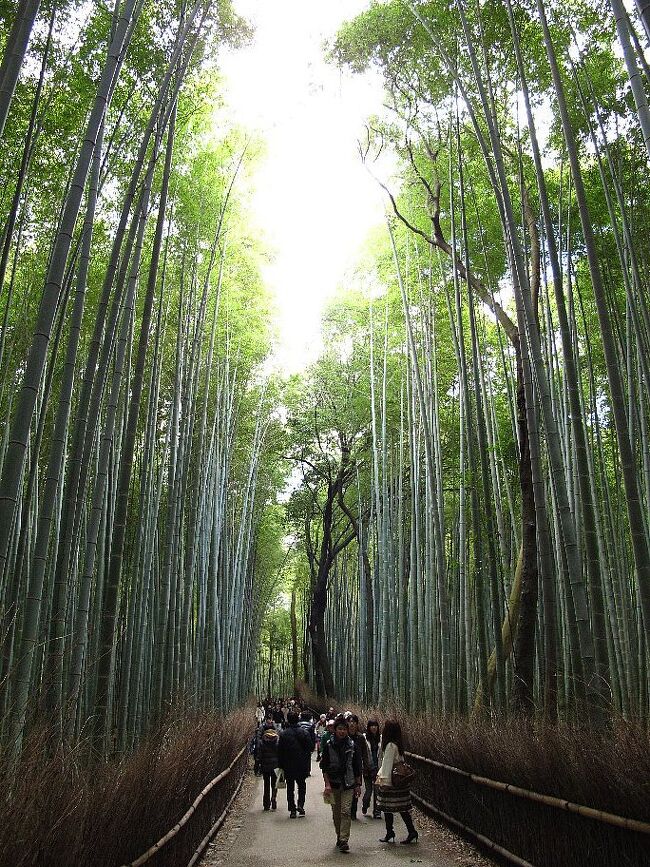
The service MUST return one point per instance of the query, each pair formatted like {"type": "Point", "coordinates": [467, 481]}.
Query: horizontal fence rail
{"type": "Point", "coordinates": [536, 830]}
{"type": "Point", "coordinates": [196, 857]}
{"type": "Point", "coordinates": [153, 850]}
{"type": "Point", "coordinates": [549, 800]}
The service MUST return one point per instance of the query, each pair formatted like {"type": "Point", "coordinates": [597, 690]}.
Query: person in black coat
{"type": "Point", "coordinates": [278, 716]}
{"type": "Point", "coordinates": [267, 756]}
{"type": "Point", "coordinates": [294, 757]}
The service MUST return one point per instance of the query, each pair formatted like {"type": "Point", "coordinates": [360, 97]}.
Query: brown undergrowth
{"type": "Point", "coordinates": [61, 810]}
{"type": "Point", "coordinates": [607, 770]}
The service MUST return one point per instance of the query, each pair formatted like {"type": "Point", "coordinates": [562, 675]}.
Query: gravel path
{"type": "Point", "coordinates": [250, 837]}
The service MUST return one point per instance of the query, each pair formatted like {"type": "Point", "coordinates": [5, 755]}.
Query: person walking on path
{"type": "Point", "coordinates": [390, 799]}
{"type": "Point", "coordinates": [362, 748]}
{"type": "Point", "coordinates": [260, 714]}
{"type": "Point", "coordinates": [306, 723]}
{"type": "Point", "coordinates": [341, 767]}
{"type": "Point", "coordinates": [327, 734]}
{"type": "Point", "coordinates": [267, 755]}
{"type": "Point", "coordinates": [373, 739]}
{"type": "Point", "coordinates": [320, 731]}
{"type": "Point", "coordinates": [278, 716]}
{"type": "Point", "coordinates": [294, 757]}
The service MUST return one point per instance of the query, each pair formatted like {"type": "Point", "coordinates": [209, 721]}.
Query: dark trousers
{"type": "Point", "coordinates": [270, 791]}
{"type": "Point", "coordinates": [406, 816]}
{"type": "Point", "coordinates": [370, 792]}
{"type": "Point", "coordinates": [302, 791]}
{"type": "Point", "coordinates": [367, 780]}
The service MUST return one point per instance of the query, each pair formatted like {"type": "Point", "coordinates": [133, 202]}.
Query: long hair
{"type": "Point", "coordinates": [392, 733]}
{"type": "Point", "coordinates": [372, 737]}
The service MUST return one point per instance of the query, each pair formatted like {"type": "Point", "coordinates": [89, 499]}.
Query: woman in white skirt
{"type": "Point", "coordinates": [391, 800]}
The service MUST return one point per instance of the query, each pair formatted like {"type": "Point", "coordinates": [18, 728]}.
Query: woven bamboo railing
{"type": "Point", "coordinates": [548, 800]}
{"type": "Point", "coordinates": [188, 815]}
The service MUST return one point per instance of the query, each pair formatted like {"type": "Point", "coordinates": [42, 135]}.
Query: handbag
{"type": "Point", "coordinates": [280, 782]}
{"type": "Point", "coordinates": [402, 776]}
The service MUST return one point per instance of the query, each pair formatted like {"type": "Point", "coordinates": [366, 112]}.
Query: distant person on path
{"type": "Point", "coordinates": [327, 734]}
{"type": "Point", "coordinates": [391, 800]}
{"type": "Point", "coordinates": [294, 757]}
{"type": "Point", "coordinates": [362, 748]}
{"type": "Point", "coordinates": [373, 739]}
{"type": "Point", "coordinates": [278, 716]}
{"type": "Point", "coordinates": [267, 756]}
{"type": "Point", "coordinates": [256, 741]}
{"type": "Point", "coordinates": [341, 766]}
{"type": "Point", "coordinates": [320, 731]}
{"type": "Point", "coordinates": [306, 723]}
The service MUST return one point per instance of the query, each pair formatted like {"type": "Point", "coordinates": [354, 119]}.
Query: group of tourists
{"type": "Point", "coordinates": [351, 762]}
{"type": "Point", "coordinates": [286, 748]}
{"type": "Point", "coordinates": [278, 708]}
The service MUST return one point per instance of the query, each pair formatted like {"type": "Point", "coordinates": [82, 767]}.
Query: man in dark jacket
{"type": "Point", "coordinates": [267, 756]}
{"type": "Point", "coordinates": [278, 716]}
{"type": "Point", "coordinates": [341, 766]}
{"type": "Point", "coordinates": [294, 757]}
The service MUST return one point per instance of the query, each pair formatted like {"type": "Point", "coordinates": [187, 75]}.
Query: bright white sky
{"type": "Point", "coordinates": [314, 201]}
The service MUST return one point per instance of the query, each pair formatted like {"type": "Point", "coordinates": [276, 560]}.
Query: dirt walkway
{"type": "Point", "coordinates": [251, 837]}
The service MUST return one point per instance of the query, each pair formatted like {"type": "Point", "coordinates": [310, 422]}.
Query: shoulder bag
{"type": "Point", "coordinates": [402, 776]}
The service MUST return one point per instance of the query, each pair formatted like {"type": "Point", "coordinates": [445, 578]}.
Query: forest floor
{"type": "Point", "coordinates": [251, 837]}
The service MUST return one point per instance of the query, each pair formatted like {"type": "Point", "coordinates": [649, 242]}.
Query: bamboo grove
{"type": "Point", "coordinates": [475, 459]}
{"type": "Point", "coordinates": [450, 508]}
{"type": "Point", "coordinates": [136, 491]}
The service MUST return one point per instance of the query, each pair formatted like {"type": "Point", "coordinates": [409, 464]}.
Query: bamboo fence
{"type": "Point", "coordinates": [153, 850]}
{"type": "Point", "coordinates": [547, 800]}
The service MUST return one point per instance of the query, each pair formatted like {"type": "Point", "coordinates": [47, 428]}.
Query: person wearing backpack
{"type": "Point", "coordinates": [393, 799]}
{"type": "Point", "coordinates": [267, 755]}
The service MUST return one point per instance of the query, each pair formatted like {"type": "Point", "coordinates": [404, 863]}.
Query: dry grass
{"type": "Point", "coordinates": [608, 771]}
{"type": "Point", "coordinates": [59, 810]}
